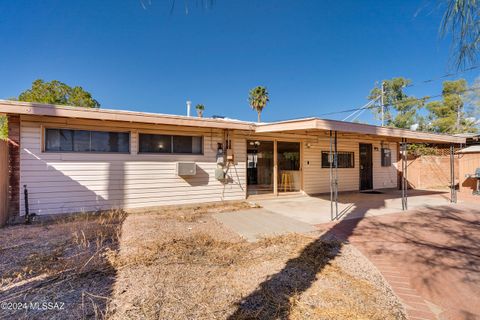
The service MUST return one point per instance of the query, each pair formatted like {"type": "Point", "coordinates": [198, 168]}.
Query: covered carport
{"type": "Point", "coordinates": [314, 127]}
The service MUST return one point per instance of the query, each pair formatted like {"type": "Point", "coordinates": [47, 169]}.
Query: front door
{"type": "Point", "coordinates": [366, 166]}
{"type": "Point", "coordinates": [288, 159]}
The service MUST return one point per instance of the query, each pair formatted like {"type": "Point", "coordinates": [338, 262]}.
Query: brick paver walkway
{"type": "Point", "coordinates": [430, 257]}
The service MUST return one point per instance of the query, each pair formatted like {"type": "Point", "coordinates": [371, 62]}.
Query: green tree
{"type": "Point", "coordinates": [56, 92]}
{"type": "Point", "coordinates": [448, 115]}
{"type": "Point", "coordinates": [3, 128]}
{"type": "Point", "coordinates": [258, 99]}
{"type": "Point", "coordinates": [53, 92]}
{"type": "Point", "coordinates": [400, 110]}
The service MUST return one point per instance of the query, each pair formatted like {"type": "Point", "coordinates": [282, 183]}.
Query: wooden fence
{"type": "Point", "coordinates": [3, 182]}
{"type": "Point", "coordinates": [426, 172]}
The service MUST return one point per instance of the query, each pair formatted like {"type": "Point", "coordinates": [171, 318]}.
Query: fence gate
{"type": "Point", "coordinates": [3, 182]}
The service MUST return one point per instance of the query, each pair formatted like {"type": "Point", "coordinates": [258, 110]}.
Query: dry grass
{"type": "Point", "coordinates": [180, 263]}
{"type": "Point", "coordinates": [175, 268]}
{"type": "Point", "coordinates": [62, 261]}
{"type": "Point", "coordinates": [194, 212]}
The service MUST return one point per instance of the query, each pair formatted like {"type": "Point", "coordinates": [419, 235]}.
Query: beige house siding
{"type": "Point", "coordinates": [75, 182]}
{"type": "Point", "coordinates": [316, 178]}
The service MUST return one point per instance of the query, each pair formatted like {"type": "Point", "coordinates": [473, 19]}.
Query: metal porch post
{"type": "Point", "coordinates": [404, 175]}
{"type": "Point", "coordinates": [453, 191]}
{"type": "Point", "coordinates": [330, 162]}
{"type": "Point", "coordinates": [335, 162]}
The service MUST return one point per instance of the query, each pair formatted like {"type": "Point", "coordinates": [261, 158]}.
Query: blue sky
{"type": "Point", "coordinates": [314, 56]}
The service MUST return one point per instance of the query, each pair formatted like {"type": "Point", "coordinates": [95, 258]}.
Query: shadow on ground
{"type": "Point", "coordinates": [273, 298]}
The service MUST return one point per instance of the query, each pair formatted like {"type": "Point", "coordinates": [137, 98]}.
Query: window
{"type": "Point", "coordinates": [386, 157]}
{"type": "Point", "coordinates": [159, 143]}
{"type": "Point", "coordinates": [345, 159]}
{"type": "Point", "coordinates": [67, 140]}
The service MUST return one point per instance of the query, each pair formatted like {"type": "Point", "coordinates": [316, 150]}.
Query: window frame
{"type": "Point", "coordinates": [80, 128]}
{"type": "Point", "coordinates": [171, 144]}
{"type": "Point", "coordinates": [382, 157]}
{"type": "Point", "coordinates": [338, 152]}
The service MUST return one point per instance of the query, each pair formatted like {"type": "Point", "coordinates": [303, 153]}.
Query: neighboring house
{"type": "Point", "coordinates": [471, 138]}
{"type": "Point", "coordinates": [78, 159]}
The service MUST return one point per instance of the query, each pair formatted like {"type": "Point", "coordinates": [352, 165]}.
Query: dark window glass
{"type": "Point", "coordinates": [156, 143]}
{"type": "Point", "coordinates": [81, 141]}
{"type": "Point", "coordinates": [386, 157]}
{"type": "Point", "coordinates": [345, 159]}
{"type": "Point", "coordinates": [110, 141]}
{"type": "Point", "coordinates": [52, 140]}
{"type": "Point", "coordinates": [66, 140]}
{"type": "Point", "coordinates": [182, 144]}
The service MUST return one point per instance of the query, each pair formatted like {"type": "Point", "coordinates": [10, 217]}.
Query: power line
{"type": "Point", "coordinates": [396, 103]}
{"type": "Point", "coordinates": [447, 75]}
{"type": "Point", "coordinates": [382, 105]}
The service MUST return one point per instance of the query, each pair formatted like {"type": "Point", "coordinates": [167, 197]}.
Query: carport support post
{"type": "Point", "coordinates": [333, 162]}
{"type": "Point", "coordinates": [404, 174]}
{"type": "Point", "coordinates": [453, 191]}
{"type": "Point", "coordinates": [335, 180]}
{"type": "Point", "coordinates": [330, 162]}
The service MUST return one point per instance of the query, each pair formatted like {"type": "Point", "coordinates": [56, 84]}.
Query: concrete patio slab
{"type": "Point", "coordinates": [254, 224]}
{"type": "Point", "coordinates": [351, 205]}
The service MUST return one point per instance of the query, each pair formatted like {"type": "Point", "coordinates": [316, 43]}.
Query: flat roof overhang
{"type": "Point", "coordinates": [311, 125]}
{"type": "Point", "coordinates": [315, 124]}
{"type": "Point", "coordinates": [38, 109]}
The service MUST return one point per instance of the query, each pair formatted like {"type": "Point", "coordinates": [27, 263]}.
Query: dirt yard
{"type": "Point", "coordinates": [180, 263]}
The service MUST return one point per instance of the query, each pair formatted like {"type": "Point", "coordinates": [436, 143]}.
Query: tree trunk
{"type": "Point", "coordinates": [258, 119]}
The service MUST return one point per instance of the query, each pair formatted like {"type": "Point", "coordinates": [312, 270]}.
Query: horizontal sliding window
{"type": "Point", "coordinates": [67, 140]}
{"type": "Point", "coordinates": [345, 159]}
{"type": "Point", "coordinates": [160, 143]}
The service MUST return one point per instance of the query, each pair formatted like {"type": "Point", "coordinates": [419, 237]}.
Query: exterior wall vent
{"type": "Point", "coordinates": [186, 169]}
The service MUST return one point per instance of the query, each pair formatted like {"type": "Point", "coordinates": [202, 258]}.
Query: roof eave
{"type": "Point", "coordinates": [36, 109]}
{"type": "Point", "coordinates": [350, 127]}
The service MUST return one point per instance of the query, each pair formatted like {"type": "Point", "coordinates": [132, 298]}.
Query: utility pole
{"type": "Point", "coordinates": [381, 103]}
{"type": "Point", "coordinates": [459, 116]}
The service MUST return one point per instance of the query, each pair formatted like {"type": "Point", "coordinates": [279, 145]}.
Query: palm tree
{"type": "Point", "coordinates": [258, 99]}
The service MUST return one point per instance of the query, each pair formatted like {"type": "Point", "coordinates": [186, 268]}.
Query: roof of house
{"type": "Point", "coordinates": [471, 149]}
{"type": "Point", "coordinates": [467, 135]}
{"type": "Point", "coordinates": [303, 125]}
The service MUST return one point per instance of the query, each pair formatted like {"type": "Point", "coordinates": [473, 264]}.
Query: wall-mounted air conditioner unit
{"type": "Point", "coordinates": [186, 169]}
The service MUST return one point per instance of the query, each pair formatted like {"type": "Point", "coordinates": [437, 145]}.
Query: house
{"type": "Point", "coordinates": [76, 159]}
{"type": "Point", "coordinates": [471, 138]}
